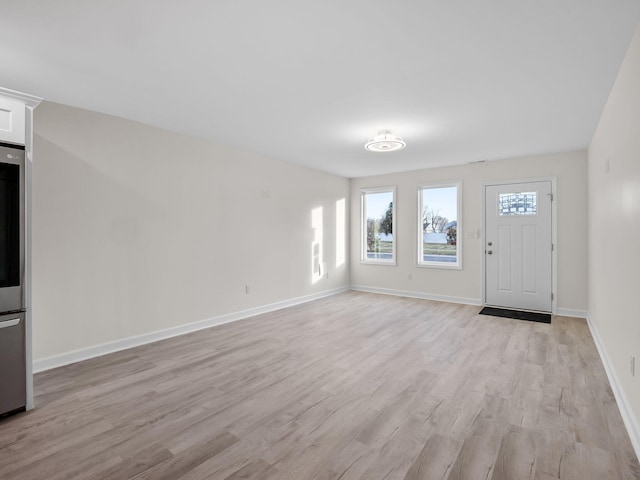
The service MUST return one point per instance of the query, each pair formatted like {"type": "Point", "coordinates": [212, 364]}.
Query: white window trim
{"type": "Point", "coordinates": [363, 228]}
{"type": "Point", "coordinates": [419, 237]}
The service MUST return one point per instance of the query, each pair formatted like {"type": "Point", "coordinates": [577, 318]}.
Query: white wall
{"type": "Point", "coordinates": [136, 229]}
{"type": "Point", "coordinates": [614, 229]}
{"type": "Point", "coordinates": [466, 284]}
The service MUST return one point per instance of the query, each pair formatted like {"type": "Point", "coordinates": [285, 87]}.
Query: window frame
{"type": "Point", "coordinates": [363, 227]}
{"type": "Point", "coordinates": [420, 230]}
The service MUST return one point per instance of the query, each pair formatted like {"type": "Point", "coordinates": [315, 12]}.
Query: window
{"type": "Point", "coordinates": [378, 225]}
{"type": "Point", "coordinates": [524, 203]}
{"type": "Point", "coordinates": [439, 226]}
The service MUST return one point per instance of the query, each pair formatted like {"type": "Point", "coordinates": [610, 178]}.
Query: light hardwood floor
{"type": "Point", "coordinates": [355, 386]}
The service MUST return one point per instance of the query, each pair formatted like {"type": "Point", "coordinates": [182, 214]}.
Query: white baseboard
{"type": "Point", "coordinates": [54, 361]}
{"type": "Point", "coordinates": [570, 312]}
{"type": "Point", "coordinates": [426, 296]}
{"type": "Point", "coordinates": [628, 417]}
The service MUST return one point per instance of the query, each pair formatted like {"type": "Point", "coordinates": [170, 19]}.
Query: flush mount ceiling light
{"type": "Point", "coordinates": [385, 141]}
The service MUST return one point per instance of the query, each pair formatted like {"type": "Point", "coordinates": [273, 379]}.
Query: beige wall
{"type": "Point", "coordinates": [466, 284]}
{"type": "Point", "coordinates": [614, 229]}
{"type": "Point", "coordinates": [136, 229]}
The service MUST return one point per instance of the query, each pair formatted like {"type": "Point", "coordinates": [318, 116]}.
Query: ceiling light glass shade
{"type": "Point", "coordinates": [385, 141]}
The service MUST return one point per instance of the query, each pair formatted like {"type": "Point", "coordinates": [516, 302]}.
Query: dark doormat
{"type": "Point", "coordinates": [517, 314]}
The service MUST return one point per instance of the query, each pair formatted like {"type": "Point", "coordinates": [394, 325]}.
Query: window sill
{"type": "Point", "coordinates": [440, 265]}
{"type": "Point", "coordinates": [388, 263]}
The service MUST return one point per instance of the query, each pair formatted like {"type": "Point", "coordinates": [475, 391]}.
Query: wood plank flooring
{"type": "Point", "coordinates": [355, 386]}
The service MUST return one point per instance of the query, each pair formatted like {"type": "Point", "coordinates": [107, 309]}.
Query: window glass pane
{"type": "Point", "coordinates": [439, 226]}
{"type": "Point", "coordinates": [522, 203]}
{"type": "Point", "coordinates": [378, 226]}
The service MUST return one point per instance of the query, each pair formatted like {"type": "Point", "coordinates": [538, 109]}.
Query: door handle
{"type": "Point", "coordinates": [489, 252]}
{"type": "Point", "coordinates": [10, 323]}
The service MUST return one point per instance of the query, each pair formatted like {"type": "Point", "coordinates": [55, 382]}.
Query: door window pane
{"type": "Point", "coordinates": [521, 203]}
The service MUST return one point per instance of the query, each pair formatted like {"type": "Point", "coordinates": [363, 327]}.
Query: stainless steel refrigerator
{"type": "Point", "coordinates": [12, 270]}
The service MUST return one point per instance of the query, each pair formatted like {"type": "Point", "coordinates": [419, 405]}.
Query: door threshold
{"type": "Point", "coordinates": [517, 314]}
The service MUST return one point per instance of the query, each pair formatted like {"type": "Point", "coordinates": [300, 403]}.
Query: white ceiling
{"type": "Point", "coordinates": [310, 81]}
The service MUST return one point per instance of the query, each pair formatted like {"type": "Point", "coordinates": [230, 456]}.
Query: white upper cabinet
{"type": "Point", "coordinates": [15, 118]}
{"type": "Point", "coordinates": [12, 121]}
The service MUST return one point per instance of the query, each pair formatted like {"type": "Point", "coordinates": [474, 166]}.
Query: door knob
{"type": "Point", "coordinates": [489, 252]}
{"type": "Point", "coordinates": [489, 243]}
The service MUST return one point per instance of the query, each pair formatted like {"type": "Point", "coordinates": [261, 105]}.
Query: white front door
{"type": "Point", "coordinates": [518, 245]}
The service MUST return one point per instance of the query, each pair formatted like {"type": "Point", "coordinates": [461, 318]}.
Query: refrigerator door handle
{"type": "Point", "coordinates": [10, 323]}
